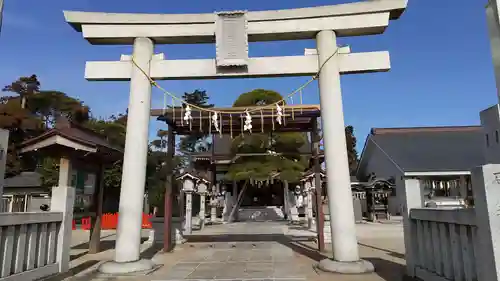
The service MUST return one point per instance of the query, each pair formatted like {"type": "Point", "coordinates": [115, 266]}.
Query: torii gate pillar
{"type": "Point", "coordinates": [128, 235]}
{"type": "Point", "coordinates": [344, 242]}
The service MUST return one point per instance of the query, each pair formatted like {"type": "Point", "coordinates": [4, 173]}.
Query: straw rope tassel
{"type": "Point", "coordinates": [259, 108]}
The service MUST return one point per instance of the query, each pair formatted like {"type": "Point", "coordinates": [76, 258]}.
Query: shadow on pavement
{"type": "Point", "coordinates": [389, 270]}
{"type": "Point", "coordinates": [391, 253]}
{"type": "Point", "coordinates": [77, 256]}
{"type": "Point", "coordinates": [73, 271]}
{"type": "Point", "coordinates": [293, 243]}
{"type": "Point", "coordinates": [150, 252]}
{"type": "Point", "coordinates": [104, 246]}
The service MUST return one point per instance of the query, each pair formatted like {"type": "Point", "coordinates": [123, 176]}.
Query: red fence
{"type": "Point", "coordinates": [110, 221]}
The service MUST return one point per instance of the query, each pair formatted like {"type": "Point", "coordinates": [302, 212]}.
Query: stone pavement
{"type": "Point", "coordinates": [249, 251]}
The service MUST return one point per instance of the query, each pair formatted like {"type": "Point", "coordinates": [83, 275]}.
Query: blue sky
{"type": "Point", "coordinates": [441, 73]}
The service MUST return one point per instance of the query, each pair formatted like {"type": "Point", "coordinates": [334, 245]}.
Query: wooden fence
{"type": "Point", "coordinates": [35, 245]}
{"type": "Point", "coordinates": [445, 244]}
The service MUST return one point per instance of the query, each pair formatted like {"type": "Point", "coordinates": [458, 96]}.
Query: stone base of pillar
{"type": "Point", "coordinates": [140, 267]}
{"type": "Point", "coordinates": [356, 267]}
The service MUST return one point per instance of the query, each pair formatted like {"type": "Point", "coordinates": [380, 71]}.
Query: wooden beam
{"type": "Point", "coordinates": [257, 67]}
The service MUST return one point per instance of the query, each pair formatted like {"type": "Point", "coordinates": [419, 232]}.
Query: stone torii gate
{"type": "Point", "coordinates": [231, 32]}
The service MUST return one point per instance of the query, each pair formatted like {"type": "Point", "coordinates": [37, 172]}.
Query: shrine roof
{"type": "Point", "coordinates": [194, 174]}
{"type": "Point", "coordinates": [425, 149]}
{"type": "Point", "coordinates": [69, 135]}
{"type": "Point", "coordinates": [296, 118]}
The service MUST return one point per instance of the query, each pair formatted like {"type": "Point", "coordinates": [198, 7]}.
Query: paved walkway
{"type": "Point", "coordinates": [250, 251]}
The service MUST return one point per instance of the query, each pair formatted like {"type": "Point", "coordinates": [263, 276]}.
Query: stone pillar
{"type": "Point", "coordinates": [411, 197]}
{"type": "Point", "coordinates": [486, 183]}
{"type": "Point", "coordinates": [227, 205]}
{"type": "Point", "coordinates": [128, 236]}
{"type": "Point", "coordinates": [343, 228]}
{"type": "Point", "coordinates": [188, 227]}
{"type": "Point", "coordinates": [213, 203]}
{"type": "Point", "coordinates": [4, 144]}
{"type": "Point", "coordinates": [286, 201]}
{"type": "Point", "coordinates": [309, 206]}
{"type": "Point", "coordinates": [202, 191]}
{"type": "Point", "coordinates": [62, 200]}
{"type": "Point", "coordinates": [235, 202]}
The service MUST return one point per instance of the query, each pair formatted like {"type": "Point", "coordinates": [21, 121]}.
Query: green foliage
{"type": "Point", "coordinates": [156, 175]}
{"type": "Point", "coordinates": [257, 97]}
{"type": "Point", "coordinates": [49, 172]}
{"type": "Point", "coordinates": [288, 161]}
{"type": "Point", "coordinates": [352, 154]}
{"type": "Point", "coordinates": [31, 112]}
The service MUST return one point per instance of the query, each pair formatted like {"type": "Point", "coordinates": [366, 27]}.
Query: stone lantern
{"type": "Point", "coordinates": [188, 187]}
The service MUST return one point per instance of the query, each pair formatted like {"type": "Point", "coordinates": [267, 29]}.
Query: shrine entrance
{"type": "Point", "coordinates": [247, 199]}
{"type": "Point", "coordinates": [231, 32]}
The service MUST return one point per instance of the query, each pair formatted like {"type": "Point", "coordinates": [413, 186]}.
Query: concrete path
{"type": "Point", "coordinates": [251, 251]}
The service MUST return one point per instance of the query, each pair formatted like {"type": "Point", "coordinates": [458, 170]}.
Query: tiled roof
{"type": "Point", "coordinates": [432, 148]}
{"type": "Point", "coordinates": [24, 179]}
{"type": "Point", "coordinates": [75, 133]}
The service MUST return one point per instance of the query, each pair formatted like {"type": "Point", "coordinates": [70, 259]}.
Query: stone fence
{"type": "Point", "coordinates": [35, 245]}
{"type": "Point", "coordinates": [454, 243]}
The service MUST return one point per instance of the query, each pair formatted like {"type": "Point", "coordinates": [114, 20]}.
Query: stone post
{"type": "Point", "coordinates": [343, 228]}
{"type": "Point", "coordinates": [62, 200]}
{"type": "Point", "coordinates": [486, 184]}
{"type": "Point", "coordinates": [4, 144]}
{"type": "Point", "coordinates": [411, 196]}
{"type": "Point", "coordinates": [202, 191]}
{"type": "Point", "coordinates": [227, 206]}
{"type": "Point", "coordinates": [213, 203]}
{"type": "Point", "coordinates": [188, 223]}
{"type": "Point", "coordinates": [128, 235]}
{"type": "Point", "coordinates": [309, 206]}
{"type": "Point", "coordinates": [235, 202]}
{"type": "Point", "coordinates": [286, 201]}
